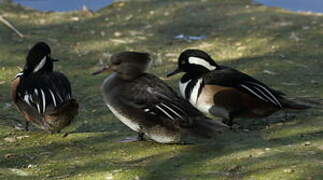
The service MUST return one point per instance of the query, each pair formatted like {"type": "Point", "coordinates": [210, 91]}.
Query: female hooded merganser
{"type": "Point", "coordinates": [149, 106]}
{"type": "Point", "coordinates": [42, 96]}
{"type": "Point", "coordinates": [226, 92]}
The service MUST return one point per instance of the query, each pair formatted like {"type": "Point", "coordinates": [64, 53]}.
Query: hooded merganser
{"type": "Point", "coordinates": [226, 92]}
{"type": "Point", "coordinates": [42, 96]}
{"type": "Point", "coordinates": [149, 106]}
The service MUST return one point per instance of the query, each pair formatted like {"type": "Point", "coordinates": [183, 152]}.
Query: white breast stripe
{"type": "Point", "coordinates": [171, 110]}
{"type": "Point", "coordinates": [182, 87]}
{"type": "Point", "coordinates": [273, 96]}
{"type": "Point", "coordinates": [201, 62]}
{"type": "Point", "coordinates": [53, 97]}
{"type": "Point", "coordinates": [250, 90]}
{"type": "Point", "coordinates": [164, 112]}
{"type": "Point", "coordinates": [18, 75]}
{"type": "Point", "coordinates": [40, 65]}
{"type": "Point", "coordinates": [194, 94]}
{"type": "Point", "coordinates": [44, 100]}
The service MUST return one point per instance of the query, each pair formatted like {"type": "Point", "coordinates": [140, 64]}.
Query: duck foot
{"type": "Point", "coordinates": [22, 127]}
{"type": "Point", "coordinates": [184, 143]}
{"type": "Point", "coordinates": [139, 137]}
{"type": "Point", "coordinates": [228, 122]}
{"type": "Point", "coordinates": [232, 125]}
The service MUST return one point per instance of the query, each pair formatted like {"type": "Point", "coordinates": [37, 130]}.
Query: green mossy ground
{"type": "Point", "coordinates": [279, 47]}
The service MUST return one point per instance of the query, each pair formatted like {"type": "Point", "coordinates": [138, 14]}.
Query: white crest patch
{"type": "Point", "coordinates": [201, 62]}
{"type": "Point", "coordinates": [40, 65]}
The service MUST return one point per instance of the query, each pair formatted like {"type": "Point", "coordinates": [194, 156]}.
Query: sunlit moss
{"type": "Point", "coordinates": [252, 38]}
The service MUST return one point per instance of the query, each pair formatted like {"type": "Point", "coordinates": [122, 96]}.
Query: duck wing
{"type": "Point", "coordinates": [229, 77]}
{"type": "Point", "coordinates": [43, 93]}
{"type": "Point", "coordinates": [161, 104]}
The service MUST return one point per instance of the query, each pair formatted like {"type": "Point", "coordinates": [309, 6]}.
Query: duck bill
{"type": "Point", "coordinates": [174, 72]}
{"type": "Point", "coordinates": [105, 68]}
{"type": "Point", "coordinates": [52, 59]}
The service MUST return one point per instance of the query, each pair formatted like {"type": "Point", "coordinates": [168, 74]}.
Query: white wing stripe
{"type": "Point", "coordinates": [60, 97]}
{"type": "Point", "coordinates": [171, 110]}
{"type": "Point", "coordinates": [53, 97]}
{"type": "Point", "coordinates": [37, 104]}
{"type": "Point", "coordinates": [273, 97]}
{"type": "Point", "coordinates": [43, 99]}
{"type": "Point", "coordinates": [38, 108]}
{"type": "Point", "coordinates": [265, 95]}
{"type": "Point", "coordinates": [165, 112]}
{"type": "Point", "coordinates": [250, 90]}
{"type": "Point", "coordinates": [26, 99]}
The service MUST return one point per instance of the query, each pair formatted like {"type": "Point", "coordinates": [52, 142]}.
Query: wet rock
{"type": "Point", "coordinates": [307, 143]}
{"type": "Point", "coordinates": [289, 171]}
{"type": "Point", "coordinates": [10, 139]}
{"type": "Point", "coordinates": [10, 156]}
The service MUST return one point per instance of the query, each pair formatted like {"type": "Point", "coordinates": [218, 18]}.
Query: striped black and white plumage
{"type": "Point", "coordinates": [43, 96]}
{"type": "Point", "coordinates": [149, 106]}
{"type": "Point", "coordinates": [226, 92]}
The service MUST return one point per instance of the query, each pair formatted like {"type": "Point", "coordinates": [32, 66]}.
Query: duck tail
{"type": "Point", "coordinates": [302, 103]}
{"type": "Point", "coordinates": [71, 107]}
{"type": "Point", "coordinates": [207, 128]}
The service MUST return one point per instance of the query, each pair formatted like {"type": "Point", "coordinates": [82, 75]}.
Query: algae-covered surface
{"type": "Point", "coordinates": [279, 47]}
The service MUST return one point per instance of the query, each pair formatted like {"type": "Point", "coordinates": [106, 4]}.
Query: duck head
{"type": "Point", "coordinates": [38, 59]}
{"type": "Point", "coordinates": [128, 65]}
{"type": "Point", "coordinates": [195, 62]}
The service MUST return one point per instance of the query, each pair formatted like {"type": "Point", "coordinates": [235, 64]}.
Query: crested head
{"type": "Point", "coordinates": [38, 59]}
{"type": "Point", "coordinates": [194, 62]}
{"type": "Point", "coordinates": [194, 58]}
{"type": "Point", "coordinates": [130, 64]}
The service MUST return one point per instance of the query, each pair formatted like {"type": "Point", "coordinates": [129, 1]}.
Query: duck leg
{"type": "Point", "coordinates": [140, 136]}
{"type": "Point", "coordinates": [27, 126]}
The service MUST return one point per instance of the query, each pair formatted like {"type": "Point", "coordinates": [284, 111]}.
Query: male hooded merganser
{"type": "Point", "coordinates": [149, 106]}
{"type": "Point", "coordinates": [226, 92]}
{"type": "Point", "coordinates": [43, 96]}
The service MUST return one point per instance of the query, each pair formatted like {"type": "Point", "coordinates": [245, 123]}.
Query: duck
{"type": "Point", "coordinates": [225, 92]}
{"type": "Point", "coordinates": [42, 95]}
{"type": "Point", "coordinates": [148, 106]}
